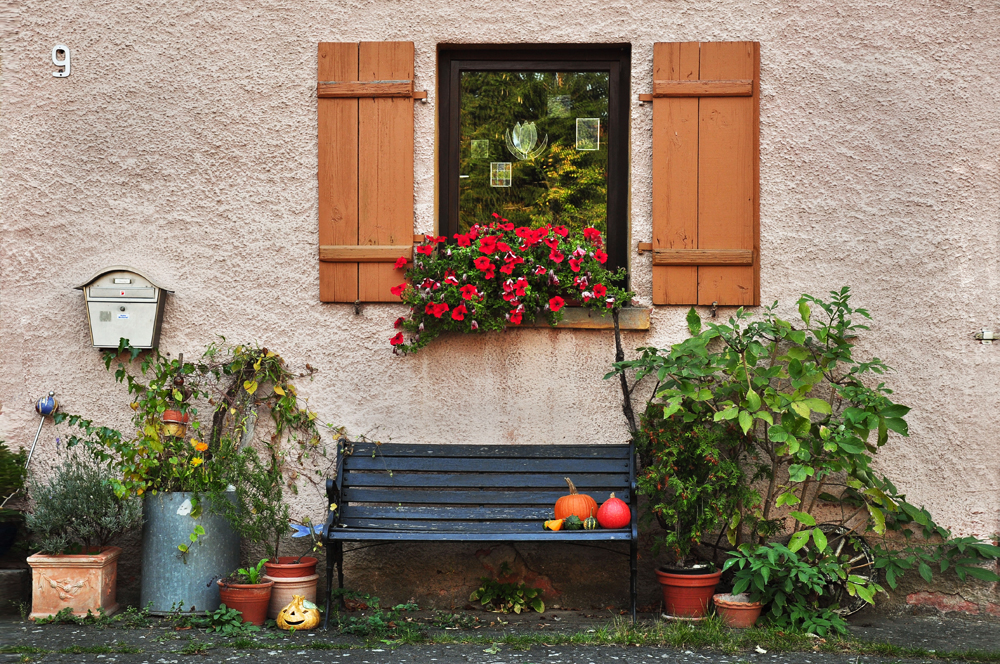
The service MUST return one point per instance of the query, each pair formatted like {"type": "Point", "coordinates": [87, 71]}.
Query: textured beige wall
{"type": "Point", "coordinates": [184, 142]}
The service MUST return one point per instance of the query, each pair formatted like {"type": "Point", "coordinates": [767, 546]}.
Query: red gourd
{"type": "Point", "coordinates": [575, 503]}
{"type": "Point", "coordinates": [614, 513]}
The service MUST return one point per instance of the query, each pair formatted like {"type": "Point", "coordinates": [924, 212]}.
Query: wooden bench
{"type": "Point", "coordinates": [469, 493]}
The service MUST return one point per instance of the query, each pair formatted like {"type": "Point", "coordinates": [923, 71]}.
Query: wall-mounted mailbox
{"type": "Point", "coordinates": [122, 302]}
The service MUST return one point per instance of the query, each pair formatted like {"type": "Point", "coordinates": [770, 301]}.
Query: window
{"type": "Point", "coordinates": [538, 134]}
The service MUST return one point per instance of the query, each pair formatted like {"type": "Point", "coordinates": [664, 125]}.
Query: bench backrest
{"type": "Point", "coordinates": [502, 488]}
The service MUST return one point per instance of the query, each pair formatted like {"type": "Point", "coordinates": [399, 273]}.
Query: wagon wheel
{"type": "Point", "coordinates": [848, 547]}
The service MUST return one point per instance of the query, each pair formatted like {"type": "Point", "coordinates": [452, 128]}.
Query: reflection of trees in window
{"type": "Point", "coordinates": [562, 185]}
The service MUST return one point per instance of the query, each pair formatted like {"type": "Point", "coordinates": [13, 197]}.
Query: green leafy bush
{"type": "Point", "coordinates": [77, 508]}
{"type": "Point", "coordinates": [810, 417]}
{"type": "Point", "coordinates": [792, 583]}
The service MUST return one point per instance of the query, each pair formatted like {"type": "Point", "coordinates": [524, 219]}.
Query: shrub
{"type": "Point", "coordinates": [77, 509]}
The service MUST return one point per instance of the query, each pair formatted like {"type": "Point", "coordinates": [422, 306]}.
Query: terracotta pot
{"type": "Point", "coordinates": [249, 599]}
{"type": "Point", "coordinates": [687, 595]}
{"type": "Point", "coordinates": [286, 588]}
{"type": "Point", "coordinates": [83, 583]}
{"type": "Point", "coordinates": [287, 568]}
{"type": "Point", "coordinates": [174, 422]}
{"type": "Point", "coordinates": [737, 610]}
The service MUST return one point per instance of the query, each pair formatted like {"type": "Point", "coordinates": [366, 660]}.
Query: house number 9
{"type": "Point", "coordinates": [60, 58]}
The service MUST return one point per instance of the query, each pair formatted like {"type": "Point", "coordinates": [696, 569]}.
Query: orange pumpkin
{"type": "Point", "coordinates": [579, 504]}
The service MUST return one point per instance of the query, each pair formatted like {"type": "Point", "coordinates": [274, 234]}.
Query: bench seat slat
{"type": "Point", "coordinates": [533, 526]}
{"type": "Point", "coordinates": [378, 495]}
{"type": "Point", "coordinates": [608, 451]}
{"type": "Point", "coordinates": [453, 464]}
{"type": "Point", "coordinates": [610, 481]}
{"type": "Point", "coordinates": [477, 513]}
{"type": "Point", "coordinates": [356, 535]}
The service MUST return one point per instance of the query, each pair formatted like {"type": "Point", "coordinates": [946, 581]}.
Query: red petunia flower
{"type": "Point", "coordinates": [552, 242]}
{"type": "Point", "coordinates": [574, 264]}
{"type": "Point", "coordinates": [474, 232]}
{"type": "Point", "coordinates": [449, 278]}
{"type": "Point", "coordinates": [401, 263]}
{"type": "Point", "coordinates": [521, 231]}
{"type": "Point", "coordinates": [489, 274]}
{"type": "Point", "coordinates": [396, 340]}
{"type": "Point", "coordinates": [438, 239]}
{"type": "Point", "coordinates": [540, 270]}
{"type": "Point", "coordinates": [463, 239]}
{"type": "Point", "coordinates": [560, 230]}
{"type": "Point", "coordinates": [483, 263]}
{"type": "Point", "coordinates": [592, 235]}
{"type": "Point", "coordinates": [488, 244]}
{"type": "Point", "coordinates": [436, 310]}
{"type": "Point", "coordinates": [601, 256]}
{"type": "Point", "coordinates": [398, 290]}
{"type": "Point", "coordinates": [425, 249]}
{"type": "Point", "coordinates": [556, 255]}
{"type": "Point", "coordinates": [600, 290]}
{"type": "Point", "coordinates": [557, 303]}
{"type": "Point", "coordinates": [503, 247]}
{"type": "Point", "coordinates": [399, 321]}
{"type": "Point", "coordinates": [469, 291]}
{"type": "Point", "coordinates": [507, 227]}
{"type": "Point", "coordinates": [458, 313]}
{"type": "Point", "coordinates": [515, 316]}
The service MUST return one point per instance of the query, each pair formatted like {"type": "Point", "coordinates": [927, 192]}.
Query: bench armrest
{"type": "Point", "coordinates": [333, 490]}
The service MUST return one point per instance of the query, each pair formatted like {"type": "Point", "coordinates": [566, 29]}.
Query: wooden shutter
{"type": "Point", "coordinates": [706, 164]}
{"type": "Point", "coordinates": [365, 169]}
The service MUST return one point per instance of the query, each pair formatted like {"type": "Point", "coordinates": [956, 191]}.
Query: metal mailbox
{"type": "Point", "coordinates": [123, 303]}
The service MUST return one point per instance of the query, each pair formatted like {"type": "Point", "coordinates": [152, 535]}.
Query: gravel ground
{"type": "Point", "coordinates": [162, 644]}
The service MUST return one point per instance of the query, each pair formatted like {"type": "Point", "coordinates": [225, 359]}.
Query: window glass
{"type": "Point", "coordinates": [533, 146]}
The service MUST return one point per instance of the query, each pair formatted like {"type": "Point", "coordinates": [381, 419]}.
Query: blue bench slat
{"type": "Point", "coordinates": [610, 481]}
{"type": "Point", "coordinates": [432, 497]}
{"type": "Point", "coordinates": [607, 451]}
{"type": "Point", "coordinates": [463, 512]}
{"type": "Point", "coordinates": [359, 535]}
{"type": "Point", "coordinates": [454, 464]}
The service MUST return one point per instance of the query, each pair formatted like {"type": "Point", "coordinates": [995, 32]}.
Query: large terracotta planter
{"type": "Point", "coordinates": [737, 610]}
{"type": "Point", "coordinates": [687, 595]}
{"type": "Point", "coordinates": [249, 599]}
{"type": "Point", "coordinates": [290, 579]}
{"type": "Point", "coordinates": [83, 583]}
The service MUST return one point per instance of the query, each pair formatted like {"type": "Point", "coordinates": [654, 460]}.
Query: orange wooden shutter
{"type": "Point", "coordinates": [365, 168]}
{"type": "Point", "coordinates": [706, 165]}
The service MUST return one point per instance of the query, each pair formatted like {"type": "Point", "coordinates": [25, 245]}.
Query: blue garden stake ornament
{"type": "Point", "coordinates": [45, 406]}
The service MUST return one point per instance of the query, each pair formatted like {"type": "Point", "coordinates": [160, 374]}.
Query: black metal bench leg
{"type": "Point", "coordinates": [634, 574]}
{"type": "Point", "coordinates": [329, 587]}
{"type": "Point", "coordinates": [340, 572]}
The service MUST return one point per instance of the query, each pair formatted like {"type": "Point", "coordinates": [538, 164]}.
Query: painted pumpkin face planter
{"type": "Point", "coordinates": [297, 616]}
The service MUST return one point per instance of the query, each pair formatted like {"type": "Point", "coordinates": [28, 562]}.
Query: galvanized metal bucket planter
{"type": "Point", "coordinates": [170, 580]}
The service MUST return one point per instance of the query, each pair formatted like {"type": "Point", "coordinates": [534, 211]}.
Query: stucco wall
{"type": "Point", "coordinates": [184, 142]}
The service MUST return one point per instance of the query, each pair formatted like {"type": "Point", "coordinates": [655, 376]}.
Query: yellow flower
{"type": "Point", "coordinates": [197, 461]}
{"type": "Point", "coordinates": [198, 445]}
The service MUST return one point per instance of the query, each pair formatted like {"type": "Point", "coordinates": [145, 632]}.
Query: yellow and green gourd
{"type": "Point", "coordinates": [590, 523]}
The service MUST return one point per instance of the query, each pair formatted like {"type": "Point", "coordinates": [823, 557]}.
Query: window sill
{"type": "Point", "coordinates": [581, 318]}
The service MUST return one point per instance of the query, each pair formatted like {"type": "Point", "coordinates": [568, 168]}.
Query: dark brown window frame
{"type": "Point", "coordinates": [616, 59]}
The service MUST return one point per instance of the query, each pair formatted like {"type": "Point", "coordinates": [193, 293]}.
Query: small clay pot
{"type": "Point", "coordinates": [290, 578]}
{"type": "Point", "coordinates": [251, 600]}
{"type": "Point", "coordinates": [737, 610]}
{"type": "Point", "coordinates": [174, 422]}
{"type": "Point", "coordinates": [285, 567]}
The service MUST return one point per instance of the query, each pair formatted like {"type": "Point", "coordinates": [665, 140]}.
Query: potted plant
{"type": "Point", "coordinates": [294, 576]}
{"type": "Point", "coordinates": [805, 417]}
{"type": "Point", "coordinates": [248, 591]}
{"type": "Point", "coordinates": [75, 516]}
{"type": "Point", "coordinates": [190, 482]}
{"type": "Point", "coordinates": [498, 275]}
{"type": "Point", "coordinates": [12, 476]}
{"type": "Point", "coordinates": [694, 484]}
